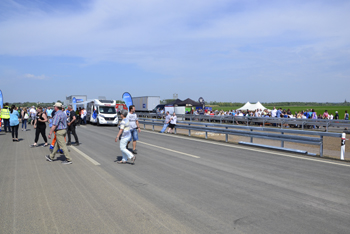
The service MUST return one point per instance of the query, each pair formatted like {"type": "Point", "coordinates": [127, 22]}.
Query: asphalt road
{"type": "Point", "coordinates": [177, 185]}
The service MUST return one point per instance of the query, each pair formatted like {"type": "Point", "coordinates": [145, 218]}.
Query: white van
{"type": "Point", "coordinates": [102, 112]}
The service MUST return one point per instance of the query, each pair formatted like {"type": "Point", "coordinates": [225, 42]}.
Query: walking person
{"type": "Point", "coordinates": [72, 126]}
{"type": "Point", "coordinates": [14, 122]}
{"type": "Point", "coordinates": [172, 124]}
{"type": "Point", "coordinates": [32, 112]}
{"type": "Point", "coordinates": [59, 125]}
{"type": "Point", "coordinates": [40, 127]}
{"type": "Point", "coordinates": [166, 122]}
{"type": "Point", "coordinates": [134, 127]}
{"type": "Point", "coordinates": [5, 115]}
{"type": "Point", "coordinates": [124, 135]}
{"type": "Point", "coordinates": [83, 116]}
{"type": "Point", "coordinates": [25, 118]}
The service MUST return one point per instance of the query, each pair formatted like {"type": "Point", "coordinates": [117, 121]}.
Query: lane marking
{"type": "Point", "coordinates": [178, 152]}
{"type": "Point", "coordinates": [85, 156]}
{"type": "Point", "coordinates": [256, 150]}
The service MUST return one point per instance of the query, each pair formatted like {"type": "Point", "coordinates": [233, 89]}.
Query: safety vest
{"type": "Point", "coordinates": [5, 113]}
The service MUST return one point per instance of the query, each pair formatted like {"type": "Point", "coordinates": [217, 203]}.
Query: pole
{"type": "Point", "coordinates": [342, 148]}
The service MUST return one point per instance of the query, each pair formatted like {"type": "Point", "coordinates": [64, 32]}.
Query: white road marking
{"type": "Point", "coordinates": [85, 156]}
{"type": "Point", "coordinates": [256, 150]}
{"type": "Point", "coordinates": [178, 152]}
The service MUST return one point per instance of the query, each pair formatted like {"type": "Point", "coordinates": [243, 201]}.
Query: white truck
{"type": "Point", "coordinates": [146, 103]}
{"type": "Point", "coordinates": [102, 112]}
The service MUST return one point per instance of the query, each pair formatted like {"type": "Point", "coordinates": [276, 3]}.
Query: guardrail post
{"type": "Point", "coordinates": [189, 130]}
{"type": "Point", "coordinates": [220, 120]}
{"type": "Point", "coordinates": [321, 147]}
{"type": "Point", "coordinates": [153, 125]}
{"type": "Point", "coordinates": [282, 142]}
{"type": "Point", "coordinates": [144, 126]}
{"type": "Point", "coordinates": [206, 133]}
{"type": "Point", "coordinates": [175, 130]}
{"type": "Point", "coordinates": [327, 126]}
{"type": "Point", "coordinates": [251, 139]}
{"type": "Point", "coordinates": [226, 136]}
{"type": "Point", "coordinates": [342, 149]}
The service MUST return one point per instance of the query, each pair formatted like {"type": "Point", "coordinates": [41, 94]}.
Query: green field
{"type": "Point", "coordinates": [318, 109]}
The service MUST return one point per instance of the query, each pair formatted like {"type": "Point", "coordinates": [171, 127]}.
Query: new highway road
{"type": "Point", "coordinates": [178, 184]}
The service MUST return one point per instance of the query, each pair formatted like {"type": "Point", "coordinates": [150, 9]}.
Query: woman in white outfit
{"type": "Point", "coordinates": [172, 123]}
{"type": "Point", "coordinates": [124, 136]}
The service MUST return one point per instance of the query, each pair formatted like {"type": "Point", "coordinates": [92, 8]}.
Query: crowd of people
{"type": "Point", "coordinates": [62, 122]}
{"type": "Point", "coordinates": [274, 113]}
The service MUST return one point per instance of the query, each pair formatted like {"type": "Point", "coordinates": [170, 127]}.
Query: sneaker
{"type": "Point", "coordinates": [133, 160]}
{"type": "Point", "coordinates": [66, 162]}
{"type": "Point", "coordinates": [34, 145]}
{"type": "Point", "coordinates": [69, 143]}
{"type": "Point", "coordinates": [48, 158]}
{"type": "Point", "coordinates": [77, 144]}
{"type": "Point", "coordinates": [134, 151]}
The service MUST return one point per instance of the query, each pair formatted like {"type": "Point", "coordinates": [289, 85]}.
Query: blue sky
{"type": "Point", "coordinates": [222, 50]}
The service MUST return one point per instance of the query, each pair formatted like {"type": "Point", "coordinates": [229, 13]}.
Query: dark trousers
{"type": "Point", "coordinates": [71, 129]}
{"type": "Point", "coordinates": [39, 131]}
{"type": "Point", "coordinates": [7, 125]}
{"type": "Point", "coordinates": [15, 131]}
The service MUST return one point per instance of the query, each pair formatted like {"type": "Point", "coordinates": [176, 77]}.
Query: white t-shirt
{"type": "Point", "coordinates": [173, 119]}
{"type": "Point", "coordinates": [273, 113]}
{"type": "Point", "coordinates": [132, 120]}
{"type": "Point", "coordinates": [124, 124]}
{"type": "Point", "coordinates": [83, 114]}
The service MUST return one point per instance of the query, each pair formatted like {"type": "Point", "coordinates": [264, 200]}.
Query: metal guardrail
{"type": "Point", "coordinates": [264, 121]}
{"type": "Point", "coordinates": [253, 132]}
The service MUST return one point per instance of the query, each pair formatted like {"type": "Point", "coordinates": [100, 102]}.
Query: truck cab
{"type": "Point", "coordinates": [102, 112]}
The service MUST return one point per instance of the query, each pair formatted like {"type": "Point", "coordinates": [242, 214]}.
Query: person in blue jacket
{"type": "Point", "coordinates": [14, 122]}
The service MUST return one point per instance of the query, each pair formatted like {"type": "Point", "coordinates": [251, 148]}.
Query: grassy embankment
{"type": "Point", "coordinates": [318, 109]}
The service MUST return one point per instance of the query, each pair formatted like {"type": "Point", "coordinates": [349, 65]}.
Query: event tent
{"type": "Point", "coordinates": [174, 103]}
{"type": "Point", "coordinates": [252, 107]}
{"type": "Point", "coordinates": [189, 102]}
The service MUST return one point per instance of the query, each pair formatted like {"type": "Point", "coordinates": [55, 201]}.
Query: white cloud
{"type": "Point", "coordinates": [34, 77]}
{"type": "Point", "coordinates": [180, 37]}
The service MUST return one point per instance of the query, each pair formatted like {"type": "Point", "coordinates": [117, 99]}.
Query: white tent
{"type": "Point", "coordinates": [252, 107]}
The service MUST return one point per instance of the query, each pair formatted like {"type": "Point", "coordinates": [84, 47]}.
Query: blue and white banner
{"type": "Point", "coordinates": [1, 100]}
{"type": "Point", "coordinates": [127, 99]}
{"type": "Point", "coordinates": [74, 104]}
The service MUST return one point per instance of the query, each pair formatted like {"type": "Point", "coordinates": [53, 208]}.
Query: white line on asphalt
{"type": "Point", "coordinates": [245, 148]}
{"type": "Point", "coordinates": [190, 155]}
{"type": "Point", "coordinates": [86, 156]}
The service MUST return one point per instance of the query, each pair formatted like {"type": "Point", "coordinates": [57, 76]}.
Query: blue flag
{"type": "Point", "coordinates": [74, 104]}
{"type": "Point", "coordinates": [1, 100]}
{"type": "Point", "coordinates": [127, 99]}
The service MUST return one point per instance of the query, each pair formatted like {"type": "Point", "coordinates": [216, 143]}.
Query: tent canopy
{"type": "Point", "coordinates": [173, 103]}
{"type": "Point", "coordinates": [189, 102]}
{"type": "Point", "coordinates": [252, 107]}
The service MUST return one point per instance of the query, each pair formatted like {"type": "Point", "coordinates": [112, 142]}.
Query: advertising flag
{"type": "Point", "coordinates": [1, 100]}
{"type": "Point", "coordinates": [127, 99]}
{"type": "Point", "coordinates": [74, 104]}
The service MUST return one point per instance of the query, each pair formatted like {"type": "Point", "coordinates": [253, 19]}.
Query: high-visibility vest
{"type": "Point", "coordinates": [5, 113]}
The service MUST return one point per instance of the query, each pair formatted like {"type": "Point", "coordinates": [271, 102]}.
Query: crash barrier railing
{"type": "Point", "coordinates": [278, 122]}
{"type": "Point", "coordinates": [254, 132]}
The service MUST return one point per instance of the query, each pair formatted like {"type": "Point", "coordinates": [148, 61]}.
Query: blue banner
{"type": "Point", "coordinates": [74, 104]}
{"type": "Point", "coordinates": [1, 100]}
{"type": "Point", "coordinates": [127, 99]}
